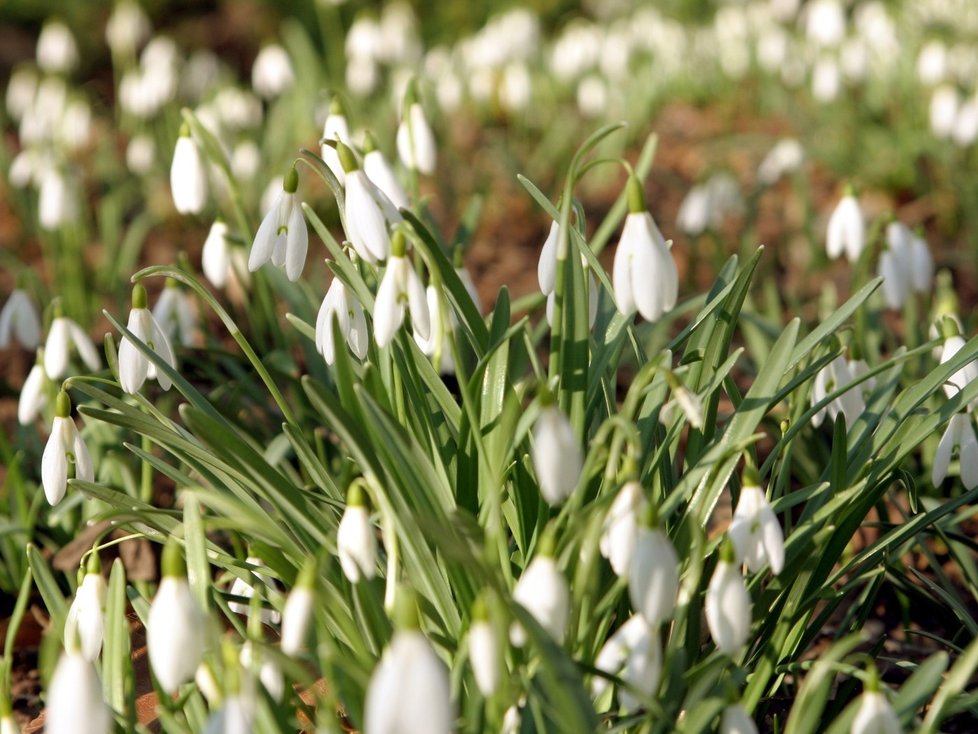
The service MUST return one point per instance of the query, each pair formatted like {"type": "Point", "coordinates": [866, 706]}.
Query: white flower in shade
{"type": "Point", "coordinates": [736, 720]}
{"type": "Point", "coordinates": [33, 395]}
{"type": "Point", "coordinates": [644, 274]}
{"type": "Point", "coordinates": [57, 204]}
{"type": "Point", "coordinates": [236, 716]}
{"type": "Point", "coordinates": [837, 374]}
{"type": "Point", "coordinates": [409, 691]}
{"type": "Point", "coordinates": [272, 72]}
{"type": "Point", "coordinates": [653, 577]}
{"type": "Point", "coordinates": [556, 451]}
{"type": "Point", "coordinates": [400, 286]}
{"type": "Point", "coordinates": [134, 366]}
{"type": "Point", "coordinates": [728, 605]}
{"type": "Point", "coordinates": [86, 615]}
{"type": "Point", "coordinates": [282, 236]}
{"type": "Point", "coordinates": [415, 141]}
{"type": "Point", "coordinates": [906, 265]}
{"type": "Point", "coordinates": [620, 530]}
{"type": "Point", "coordinates": [755, 530]}
{"type": "Point", "coordinates": [269, 673]}
{"type": "Point", "coordinates": [380, 171]}
{"type": "Point", "coordinates": [64, 446]}
{"type": "Point", "coordinates": [542, 590]}
{"type": "Point", "coordinates": [174, 312]}
{"type": "Point", "coordinates": [246, 589]}
{"type": "Point", "coordinates": [634, 654]}
{"type": "Point", "coordinates": [964, 376]}
{"type": "Point", "coordinates": [188, 175]}
{"type": "Point", "coordinates": [57, 51]}
{"type": "Point", "coordinates": [786, 156]}
{"type": "Point", "coordinates": [19, 320]}
{"type": "Point", "coordinates": [62, 336]}
{"type": "Point", "coordinates": [127, 27]}
{"type": "Point", "coordinates": [356, 540]}
{"type": "Point", "coordinates": [216, 258]}
{"type": "Point", "coordinates": [175, 626]}
{"type": "Point", "coordinates": [298, 611]}
{"type": "Point", "coordinates": [847, 229]}
{"type": "Point", "coordinates": [74, 703]}
{"type": "Point", "coordinates": [875, 715]}
{"type": "Point", "coordinates": [547, 265]}
{"type": "Point", "coordinates": [336, 130]}
{"type": "Point", "coordinates": [959, 441]}
{"type": "Point", "coordinates": [342, 305]}
{"type": "Point", "coordinates": [484, 649]}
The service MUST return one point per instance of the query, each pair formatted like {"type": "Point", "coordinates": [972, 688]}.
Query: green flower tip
{"type": "Point", "coordinates": [62, 406]}
{"type": "Point", "coordinates": [872, 684]}
{"type": "Point", "coordinates": [785, 425]}
{"type": "Point", "coordinates": [139, 299]}
{"type": "Point", "coordinates": [94, 565]}
{"type": "Point", "coordinates": [355, 496]}
{"type": "Point", "coordinates": [398, 243]}
{"type": "Point", "coordinates": [849, 190]}
{"type": "Point", "coordinates": [545, 397]}
{"type": "Point", "coordinates": [629, 469]}
{"type": "Point", "coordinates": [347, 159]}
{"type": "Point", "coordinates": [184, 130]}
{"type": "Point", "coordinates": [6, 711]}
{"type": "Point", "coordinates": [949, 327]}
{"type": "Point", "coordinates": [650, 517]}
{"type": "Point", "coordinates": [636, 195]}
{"type": "Point", "coordinates": [336, 106]}
{"type": "Point", "coordinates": [173, 564]}
{"type": "Point", "coordinates": [751, 476]}
{"type": "Point", "coordinates": [171, 283]}
{"type": "Point", "coordinates": [21, 280]}
{"type": "Point", "coordinates": [369, 142]}
{"type": "Point", "coordinates": [410, 94]}
{"type": "Point", "coordinates": [57, 308]}
{"type": "Point", "coordinates": [458, 261]}
{"type": "Point", "coordinates": [547, 547]}
{"type": "Point", "coordinates": [728, 553]}
{"type": "Point", "coordinates": [406, 616]}
{"type": "Point", "coordinates": [307, 576]}
{"type": "Point", "coordinates": [291, 181]}
{"type": "Point", "coordinates": [480, 609]}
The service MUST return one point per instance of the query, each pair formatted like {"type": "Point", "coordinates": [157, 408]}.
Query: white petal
{"type": "Point", "coordinates": [557, 455]}
{"type": "Point", "coordinates": [298, 244]}
{"type": "Point", "coordinates": [188, 179]}
{"type": "Point", "coordinates": [418, 304]}
{"type": "Point", "coordinates": [942, 458]}
{"type": "Point", "coordinates": [161, 345]}
{"type": "Point", "coordinates": [388, 309]}
{"type": "Point", "coordinates": [547, 265]}
{"type": "Point", "coordinates": [366, 226]}
{"type": "Point", "coordinates": [215, 258]}
{"type": "Point", "coordinates": [84, 469]}
{"type": "Point", "coordinates": [296, 618]}
{"type": "Point", "coordinates": [728, 608]}
{"type": "Point", "coordinates": [484, 656]}
{"type": "Point", "coordinates": [380, 172]}
{"type": "Point", "coordinates": [75, 704]}
{"type": "Point", "coordinates": [56, 349]}
{"type": "Point", "coordinates": [735, 720]}
{"type": "Point", "coordinates": [358, 338]}
{"type": "Point", "coordinates": [621, 275]}
{"type": "Point", "coordinates": [542, 590]}
{"type": "Point", "coordinates": [875, 716]}
{"type": "Point", "coordinates": [261, 249]}
{"type": "Point", "coordinates": [968, 456]}
{"type": "Point", "coordinates": [86, 349]}
{"type": "Point", "coordinates": [174, 634]}
{"type": "Point", "coordinates": [653, 579]}
{"type": "Point", "coordinates": [54, 463]}
{"type": "Point", "coordinates": [356, 544]}
{"type": "Point", "coordinates": [86, 616]}
{"type": "Point", "coordinates": [32, 398]}
{"type": "Point", "coordinates": [133, 365]}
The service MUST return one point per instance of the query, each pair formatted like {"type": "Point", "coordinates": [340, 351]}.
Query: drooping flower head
{"type": "Point", "coordinates": [556, 451]}
{"type": "Point", "coordinates": [174, 312]}
{"type": "Point", "coordinates": [755, 530]}
{"type": "Point", "coordinates": [134, 366]}
{"type": "Point", "coordinates": [400, 291]}
{"type": "Point", "coordinates": [64, 447]}
{"type": "Point", "coordinates": [484, 650]}
{"type": "Point", "coordinates": [875, 715]}
{"type": "Point", "coordinates": [299, 609]}
{"type": "Point", "coordinates": [343, 306]}
{"type": "Point", "coordinates": [335, 130]}
{"type": "Point", "coordinates": [415, 141]}
{"type": "Point", "coordinates": [188, 177]}
{"type": "Point", "coordinates": [847, 228]}
{"type": "Point", "coordinates": [619, 533]}
{"type": "Point", "coordinates": [634, 654]}
{"type": "Point", "coordinates": [367, 210]}
{"type": "Point", "coordinates": [20, 320]}
{"type": "Point", "coordinates": [727, 605]}
{"type": "Point", "coordinates": [356, 540]}
{"type": "Point", "coordinates": [380, 171]}
{"type": "Point", "coordinates": [283, 236]}
{"type": "Point", "coordinates": [85, 624]}
{"type": "Point", "coordinates": [653, 576]}
{"type": "Point", "coordinates": [64, 334]}
{"type": "Point", "coordinates": [543, 591]}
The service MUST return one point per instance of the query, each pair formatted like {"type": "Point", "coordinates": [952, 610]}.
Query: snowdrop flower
{"type": "Point", "coordinates": [826, 79]}
{"type": "Point", "coordinates": [127, 27]}
{"type": "Point", "coordinates": [21, 88]}
{"type": "Point", "coordinates": [140, 155]}
{"type": "Point", "coordinates": [282, 236]}
{"type": "Point", "coordinates": [736, 720]}
{"type": "Point", "coordinates": [943, 110]}
{"type": "Point", "coordinates": [896, 265]}
{"type": "Point", "coordinates": [342, 305]}
{"type": "Point", "coordinates": [484, 649]}
{"type": "Point", "coordinates": [547, 265]}
{"type": "Point", "coordinates": [706, 205]}
{"type": "Point", "coordinates": [174, 312]}
{"type": "Point", "coordinates": [8, 725]}
{"type": "Point", "coordinates": [875, 715]}
{"type": "Point", "coordinates": [75, 704]}
{"type": "Point", "coordinates": [437, 346]}
{"type": "Point", "coordinates": [653, 577]}
{"type": "Point", "coordinates": [619, 532]}
{"type": "Point", "coordinates": [415, 141]}
{"type": "Point", "coordinates": [542, 590]}
{"type": "Point", "coordinates": [269, 673]}
{"type": "Point", "coordinates": [825, 22]}
{"type": "Point", "coordinates": [188, 175]}
{"type": "Point", "coordinates": [850, 404]}
{"type": "Point", "coordinates": [298, 611]}
{"type": "Point", "coordinates": [57, 51]}
{"type": "Point", "coordinates": [409, 691]}
{"type": "Point", "coordinates": [847, 230]}
{"type": "Point", "coordinates": [20, 320]}
{"type": "Point", "coordinates": [217, 257]}
{"type": "Point", "coordinates": [400, 285]}
{"type": "Point", "coordinates": [134, 366]}
{"type": "Point", "coordinates": [727, 604]}
{"type": "Point", "coordinates": [556, 451]}
{"type": "Point", "coordinates": [644, 274]}
{"type": "Point", "coordinates": [33, 395]}
{"type": "Point", "coordinates": [245, 588]}
{"type": "Point", "coordinates": [86, 615]}
{"type": "Point", "coordinates": [381, 173]}
{"type": "Point", "coordinates": [336, 130]}
{"type": "Point", "coordinates": [964, 376]}
{"type": "Point", "coordinates": [236, 716]}
{"type": "Point", "coordinates": [272, 72]}
{"type": "Point", "coordinates": [959, 441]}
{"type": "Point", "coordinates": [786, 156]}
{"type": "Point", "coordinates": [686, 400]}
{"type": "Point", "coordinates": [367, 211]}
{"type": "Point", "coordinates": [356, 541]}
{"type": "Point", "coordinates": [64, 446]}
{"type": "Point", "coordinates": [175, 626]}
{"type": "Point", "coordinates": [754, 530]}
{"type": "Point", "coordinates": [634, 654]}
{"type": "Point", "coordinates": [57, 204]}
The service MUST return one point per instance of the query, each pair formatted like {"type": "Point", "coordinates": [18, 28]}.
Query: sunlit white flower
{"type": "Point", "coordinates": [964, 376]}
{"type": "Point", "coordinates": [33, 395]}
{"type": "Point", "coordinates": [86, 615]}
{"type": "Point", "coordinates": [380, 171]}
{"type": "Point", "coordinates": [140, 155]}
{"type": "Point", "coordinates": [175, 626]}
{"type": "Point", "coordinates": [932, 62]}
{"type": "Point", "coordinates": [619, 532]}
{"type": "Point", "coordinates": [367, 211]}
{"type": "Point", "coordinates": [62, 336]}
{"type": "Point", "coordinates": [826, 79]}
{"type": "Point", "coordinates": [57, 51]}
{"type": "Point", "coordinates": [756, 532]}
{"type": "Point", "coordinates": [653, 577]}
{"type": "Point", "coordinates": [847, 229]}
{"type": "Point", "coordinates": [634, 654]}
{"type": "Point", "coordinates": [282, 236]}
{"type": "Point", "coordinates": [188, 176]}
{"type": "Point", "coordinates": [20, 320]}
{"type": "Point", "coordinates": [706, 205]}
{"type": "Point", "coordinates": [127, 27]}
{"type": "Point", "coordinates": [269, 673]}
{"type": "Point", "coordinates": [236, 716]}
{"type": "Point", "coordinates": [174, 312]}
{"type": "Point", "coordinates": [134, 366]}
{"type": "Point", "coordinates": [272, 72]}
{"type": "Point", "coordinates": [943, 110]}
{"type": "Point", "coordinates": [342, 305]}
{"type": "Point", "coordinates": [21, 88]}
{"type": "Point", "coordinates": [415, 141]}
{"type": "Point", "coordinates": [443, 322]}
{"type": "Point", "coordinates": [298, 611]}
{"type": "Point", "coordinates": [547, 264]}
{"type": "Point", "coordinates": [335, 129]}
{"type": "Point", "coordinates": [57, 202]}
{"type": "Point", "coordinates": [557, 455]}
{"type": "Point", "coordinates": [837, 374]}
{"type": "Point", "coordinates": [958, 441]}
{"type": "Point", "coordinates": [542, 590]}
{"type": "Point", "coordinates": [727, 606]}
{"type": "Point", "coordinates": [484, 653]}
{"type": "Point", "coordinates": [786, 156]}
{"type": "Point", "coordinates": [64, 446]}
{"type": "Point", "coordinates": [246, 590]}
{"type": "Point", "coordinates": [875, 715]}
{"type": "Point", "coordinates": [644, 274]}
{"type": "Point", "coordinates": [8, 724]}
{"type": "Point", "coordinates": [825, 22]}
{"type": "Point", "coordinates": [736, 720]}
{"type": "Point", "coordinates": [356, 540]}
{"type": "Point", "coordinates": [400, 287]}
{"type": "Point", "coordinates": [74, 703]}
